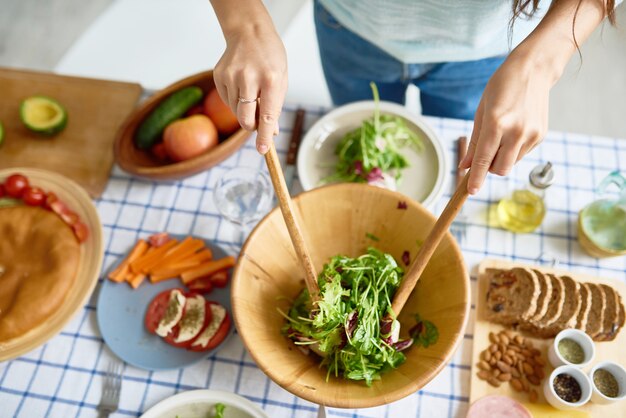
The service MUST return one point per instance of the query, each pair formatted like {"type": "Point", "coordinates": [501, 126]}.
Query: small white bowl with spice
{"type": "Point", "coordinates": [608, 383]}
{"type": "Point", "coordinates": [571, 347]}
{"type": "Point", "coordinates": [567, 388]}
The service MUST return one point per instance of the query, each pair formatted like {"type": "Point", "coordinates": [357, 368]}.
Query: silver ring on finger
{"type": "Point", "coordinates": [245, 101]}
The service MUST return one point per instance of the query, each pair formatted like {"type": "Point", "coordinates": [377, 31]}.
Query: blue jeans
{"type": "Point", "coordinates": [451, 89]}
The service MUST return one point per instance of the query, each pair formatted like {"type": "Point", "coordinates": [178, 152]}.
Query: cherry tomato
{"type": "Point", "coordinates": [219, 278]}
{"type": "Point", "coordinates": [171, 337]}
{"type": "Point", "coordinates": [196, 110]}
{"type": "Point", "coordinates": [15, 185]}
{"type": "Point", "coordinates": [157, 309]}
{"type": "Point", "coordinates": [50, 199]}
{"type": "Point", "coordinates": [156, 240]}
{"type": "Point", "coordinates": [34, 196]}
{"type": "Point", "coordinates": [3, 192]}
{"type": "Point", "coordinates": [81, 231]}
{"type": "Point", "coordinates": [218, 338]}
{"type": "Point", "coordinates": [202, 285]}
{"type": "Point", "coordinates": [159, 151]}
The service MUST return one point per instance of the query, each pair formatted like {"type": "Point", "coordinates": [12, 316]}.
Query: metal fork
{"type": "Point", "coordinates": [111, 388]}
{"type": "Point", "coordinates": [459, 226]}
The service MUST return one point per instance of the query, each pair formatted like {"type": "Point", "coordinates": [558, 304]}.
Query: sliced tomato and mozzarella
{"type": "Point", "coordinates": [187, 320]}
{"type": "Point", "coordinates": [215, 332]}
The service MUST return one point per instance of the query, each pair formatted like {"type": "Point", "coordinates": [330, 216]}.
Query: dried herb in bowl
{"type": "Point", "coordinates": [344, 327]}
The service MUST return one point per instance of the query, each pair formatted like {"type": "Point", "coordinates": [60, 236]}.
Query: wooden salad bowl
{"type": "Point", "coordinates": [143, 164]}
{"type": "Point", "coordinates": [340, 219]}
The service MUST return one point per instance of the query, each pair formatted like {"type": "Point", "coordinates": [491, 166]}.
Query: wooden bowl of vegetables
{"type": "Point", "coordinates": [360, 238]}
{"type": "Point", "coordinates": [180, 131]}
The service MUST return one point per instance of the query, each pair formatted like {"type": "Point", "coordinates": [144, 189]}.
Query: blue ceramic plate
{"type": "Point", "coordinates": [121, 310]}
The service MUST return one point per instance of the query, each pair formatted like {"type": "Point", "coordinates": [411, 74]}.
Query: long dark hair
{"type": "Point", "coordinates": [527, 8]}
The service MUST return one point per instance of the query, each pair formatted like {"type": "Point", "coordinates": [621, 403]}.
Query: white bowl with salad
{"type": "Point", "coordinates": [205, 404]}
{"type": "Point", "coordinates": [375, 142]}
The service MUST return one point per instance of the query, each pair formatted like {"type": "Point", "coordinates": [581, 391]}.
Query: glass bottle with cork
{"type": "Point", "coordinates": [524, 209]}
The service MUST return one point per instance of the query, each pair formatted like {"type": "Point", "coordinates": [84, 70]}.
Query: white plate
{"type": "Point", "coordinates": [423, 181]}
{"type": "Point", "coordinates": [199, 403]}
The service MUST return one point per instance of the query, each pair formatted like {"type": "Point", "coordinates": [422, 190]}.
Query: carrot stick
{"type": "Point", "coordinates": [207, 268]}
{"type": "Point", "coordinates": [155, 278]}
{"type": "Point", "coordinates": [184, 249]}
{"type": "Point", "coordinates": [137, 280]}
{"type": "Point", "coordinates": [203, 255]}
{"type": "Point", "coordinates": [138, 250]}
{"type": "Point", "coordinates": [143, 264]}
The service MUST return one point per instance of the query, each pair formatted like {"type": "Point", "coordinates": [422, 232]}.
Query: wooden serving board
{"type": "Point", "coordinates": [83, 151]}
{"type": "Point", "coordinates": [613, 350]}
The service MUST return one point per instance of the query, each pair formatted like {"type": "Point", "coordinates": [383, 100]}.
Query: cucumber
{"type": "Point", "coordinates": [170, 109]}
{"type": "Point", "coordinates": [43, 115]}
{"type": "Point", "coordinates": [6, 202]}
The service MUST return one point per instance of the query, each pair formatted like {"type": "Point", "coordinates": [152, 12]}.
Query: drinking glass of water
{"type": "Point", "coordinates": [243, 195]}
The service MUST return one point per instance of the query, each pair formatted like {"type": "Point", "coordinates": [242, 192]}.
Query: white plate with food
{"type": "Point", "coordinates": [50, 256]}
{"type": "Point", "coordinates": [205, 404]}
{"type": "Point", "coordinates": [328, 154]}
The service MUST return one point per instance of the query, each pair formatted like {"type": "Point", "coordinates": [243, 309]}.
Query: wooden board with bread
{"type": "Point", "coordinates": [520, 309]}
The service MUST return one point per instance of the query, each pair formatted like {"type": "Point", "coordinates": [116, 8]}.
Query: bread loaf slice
{"type": "Point", "coordinates": [555, 307]}
{"type": "Point", "coordinates": [596, 313]}
{"type": "Point", "coordinates": [545, 294]}
{"type": "Point", "coordinates": [511, 295]}
{"type": "Point", "coordinates": [585, 307]}
{"type": "Point", "coordinates": [569, 312]}
{"type": "Point", "coordinates": [611, 314]}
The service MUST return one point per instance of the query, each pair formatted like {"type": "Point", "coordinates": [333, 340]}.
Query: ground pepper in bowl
{"type": "Point", "coordinates": [606, 383]}
{"type": "Point", "coordinates": [567, 388]}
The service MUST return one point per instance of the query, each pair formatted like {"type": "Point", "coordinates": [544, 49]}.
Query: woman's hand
{"type": "Point", "coordinates": [511, 119]}
{"type": "Point", "coordinates": [251, 77]}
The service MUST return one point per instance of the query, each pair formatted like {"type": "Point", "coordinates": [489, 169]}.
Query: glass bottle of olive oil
{"type": "Point", "coordinates": [524, 209]}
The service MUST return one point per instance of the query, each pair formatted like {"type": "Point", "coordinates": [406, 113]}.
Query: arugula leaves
{"type": "Point", "coordinates": [371, 151]}
{"type": "Point", "coordinates": [424, 333]}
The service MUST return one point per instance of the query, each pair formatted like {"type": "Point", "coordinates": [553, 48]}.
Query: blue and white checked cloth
{"type": "Point", "coordinates": [64, 377]}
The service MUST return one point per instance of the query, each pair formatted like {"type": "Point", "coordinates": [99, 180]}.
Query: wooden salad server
{"type": "Point", "coordinates": [295, 233]}
{"type": "Point", "coordinates": [429, 246]}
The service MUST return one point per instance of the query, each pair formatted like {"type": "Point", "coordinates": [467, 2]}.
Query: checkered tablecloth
{"type": "Point", "coordinates": [64, 377]}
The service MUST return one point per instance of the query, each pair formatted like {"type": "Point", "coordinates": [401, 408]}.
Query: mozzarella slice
{"type": "Point", "coordinates": [193, 319]}
{"type": "Point", "coordinates": [218, 313]}
{"type": "Point", "coordinates": [173, 313]}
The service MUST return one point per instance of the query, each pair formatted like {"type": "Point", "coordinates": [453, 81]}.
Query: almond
{"type": "Point", "coordinates": [496, 372]}
{"type": "Point", "coordinates": [515, 372]}
{"type": "Point", "coordinates": [493, 382]}
{"type": "Point", "coordinates": [517, 385]}
{"type": "Point", "coordinates": [483, 365]}
{"type": "Point", "coordinates": [528, 369]}
{"type": "Point", "coordinates": [504, 339]}
{"type": "Point", "coordinates": [533, 396]}
{"type": "Point", "coordinates": [533, 379]}
{"type": "Point", "coordinates": [539, 372]}
{"type": "Point", "coordinates": [493, 361]}
{"type": "Point", "coordinates": [540, 361]}
{"type": "Point", "coordinates": [519, 340]}
{"type": "Point", "coordinates": [504, 377]}
{"type": "Point", "coordinates": [492, 338]}
{"type": "Point", "coordinates": [498, 355]}
{"type": "Point", "coordinates": [504, 368]}
{"type": "Point", "coordinates": [493, 348]}
{"type": "Point", "coordinates": [483, 375]}
{"type": "Point", "coordinates": [508, 360]}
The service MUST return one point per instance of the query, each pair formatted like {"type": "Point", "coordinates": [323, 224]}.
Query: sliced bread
{"type": "Point", "coordinates": [585, 307]}
{"type": "Point", "coordinates": [569, 312]}
{"type": "Point", "coordinates": [596, 313]}
{"type": "Point", "coordinates": [511, 295]}
{"type": "Point", "coordinates": [545, 295]}
{"type": "Point", "coordinates": [555, 307]}
{"type": "Point", "coordinates": [611, 314]}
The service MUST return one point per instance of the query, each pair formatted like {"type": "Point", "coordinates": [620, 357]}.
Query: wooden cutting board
{"type": "Point", "coordinates": [83, 151]}
{"type": "Point", "coordinates": [611, 350]}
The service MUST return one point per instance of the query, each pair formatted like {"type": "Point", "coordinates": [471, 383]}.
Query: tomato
{"type": "Point", "coordinates": [34, 196]}
{"type": "Point", "coordinates": [220, 335]}
{"type": "Point", "coordinates": [195, 110]}
{"type": "Point", "coordinates": [157, 309]}
{"type": "Point", "coordinates": [15, 185]}
{"type": "Point", "coordinates": [201, 285]}
{"type": "Point", "coordinates": [81, 231]}
{"type": "Point", "coordinates": [156, 240]}
{"type": "Point", "coordinates": [220, 278]}
{"type": "Point", "coordinates": [219, 112]}
{"type": "Point", "coordinates": [171, 337]}
{"type": "Point", "coordinates": [189, 137]}
{"type": "Point", "coordinates": [3, 192]}
{"type": "Point", "coordinates": [159, 151]}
